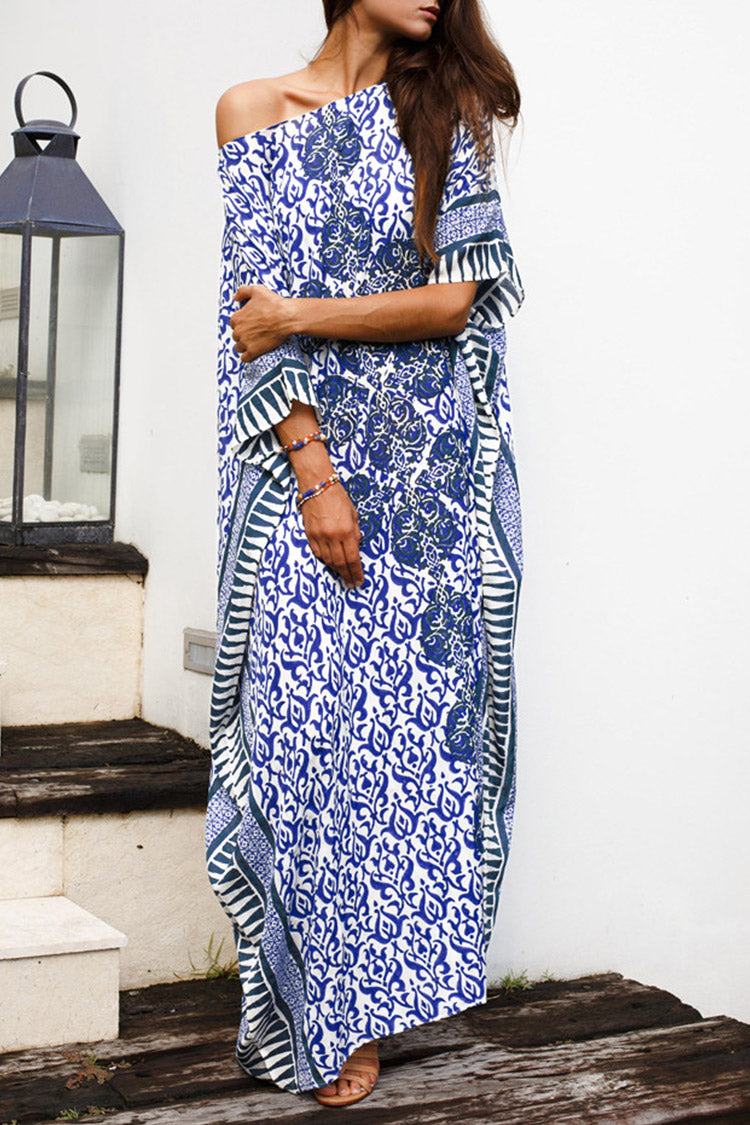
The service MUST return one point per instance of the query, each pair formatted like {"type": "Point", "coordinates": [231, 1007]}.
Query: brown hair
{"type": "Point", "coordinates": [459, 72]}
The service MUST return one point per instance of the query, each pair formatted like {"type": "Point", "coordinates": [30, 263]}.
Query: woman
{"type": "Point", "coordinates": [363, 707]}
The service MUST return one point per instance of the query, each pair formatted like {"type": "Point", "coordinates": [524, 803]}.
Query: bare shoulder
{"type": "Point", "coordinates": [263, 102]}
{"type": "Point", "coordinates": [248, 106]}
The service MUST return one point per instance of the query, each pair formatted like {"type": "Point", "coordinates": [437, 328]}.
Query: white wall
{"type": "Point", "coordinates": [630, 373]}
{"type": "Point", "coordinates": [626, 365]}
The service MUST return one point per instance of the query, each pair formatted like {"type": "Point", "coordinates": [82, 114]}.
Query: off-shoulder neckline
{"type": "Point", "coordinates": [301, 116]}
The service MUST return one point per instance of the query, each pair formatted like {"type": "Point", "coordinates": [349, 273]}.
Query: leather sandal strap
{"type": "Point", "coordinates": [369, 1062]}
{"type": "Point", "coordinates": [365, 1052]}
{"type": "Point", "coordinates": [359, 1066]}
{"type": "Point", "coordinates": [362, 1076]}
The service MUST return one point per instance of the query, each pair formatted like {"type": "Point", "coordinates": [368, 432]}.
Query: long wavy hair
{"type": "Point", "coordinates": [460, 72]}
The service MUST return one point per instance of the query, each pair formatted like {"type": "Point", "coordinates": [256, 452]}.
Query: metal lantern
{"type": "Point", "coordinates": [61, 266]}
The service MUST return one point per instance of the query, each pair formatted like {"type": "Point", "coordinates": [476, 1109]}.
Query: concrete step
{"type": "Point", "coordinates": [135, 794]}
{"type": "Point", "coordinates": [71, 643]}
{"type": "Point", "coordinates": [59, 974]}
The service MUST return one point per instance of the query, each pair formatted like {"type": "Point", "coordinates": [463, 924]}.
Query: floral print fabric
{"type": "Point", "coordinates": [363, 740]}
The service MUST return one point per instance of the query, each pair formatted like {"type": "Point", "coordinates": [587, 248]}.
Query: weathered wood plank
{"type": "Point", "coordinates": [594, 1005]}
{"type": "Point", "coordinates": [739, 1118]}
{"type": "Point", "coordinates": [649, 1077]}
{"type": "Point", "coordinates": [549, 1011]}
{"type": "Point", "coordinates": [176, 1003]}
{"type": "Point", "coordinates": [65, 792]}
{"type": "Point", "coordinates": [163, 1021]}
{"type": "Point", "coordinates": [118, 741]}
{"type": "Point", "coordinates": [206, 1070]}
{"type": "Point", "coordinates": [177, 1043]}
{"type": "Point", "coordinates": [119, 766]}
{"type": "Point", "coordinates": [164, 1017]}
{"type": "Point", "coordinates": [72, 558]}
{"type": "Point", "coordinates": [34, 1082]}
{"type": "Point", "coordinates": [704, 1076]}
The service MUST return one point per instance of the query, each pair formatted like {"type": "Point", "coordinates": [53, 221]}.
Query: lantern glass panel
{"type": "Point", "coordinates": [10, 289]}
{"type": "Point", "coordinates": [72, 369]}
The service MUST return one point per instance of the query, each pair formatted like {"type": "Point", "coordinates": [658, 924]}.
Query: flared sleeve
{"type": "Point", "coordinates": [471, 239]}
{"type": "Point", "coordinates": [268, 384]}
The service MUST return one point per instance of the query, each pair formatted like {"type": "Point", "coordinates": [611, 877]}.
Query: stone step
{"type": "Point", "coordinates": [71, 625]}
{"type": "Point", "coordinates": [112, 815]}
{"type": "Point", "coordinates": [59, 973]}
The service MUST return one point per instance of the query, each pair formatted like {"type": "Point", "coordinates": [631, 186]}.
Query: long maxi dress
{"type": "Point", "coordinates": [363, 740]}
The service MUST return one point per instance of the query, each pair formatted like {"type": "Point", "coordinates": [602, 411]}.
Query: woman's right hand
{"type": "Point", "coordinates": [330, 519]}
{"type": "Point", "coordinates": [332, 528]}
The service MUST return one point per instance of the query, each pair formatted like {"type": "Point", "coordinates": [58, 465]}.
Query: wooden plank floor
{"type": "Point", "coordinates": [596, 1049]}
{"type": "Point", "coordinates": [112, 765]}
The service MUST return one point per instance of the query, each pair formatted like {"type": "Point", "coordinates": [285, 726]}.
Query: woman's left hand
{"type": "Point", "coordinates": [261, 324]}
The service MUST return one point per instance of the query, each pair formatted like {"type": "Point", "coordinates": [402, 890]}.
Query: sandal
{"type": "Point", "coordinates": [358, 1067]}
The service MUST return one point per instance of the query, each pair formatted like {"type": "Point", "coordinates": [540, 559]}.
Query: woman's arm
{"type": "Point", "coordinates": [425, 312]}
{"type": "Point", "coordinates": [401, 314]}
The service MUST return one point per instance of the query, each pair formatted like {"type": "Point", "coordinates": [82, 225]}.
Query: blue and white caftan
{"type": "Point", "coordinates": [363, 740]}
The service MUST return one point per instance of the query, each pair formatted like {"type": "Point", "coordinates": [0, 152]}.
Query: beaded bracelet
{"type": "Point", "coordinates": [316, 436]}
{"type": "Point", "coordinates": [317, 489]}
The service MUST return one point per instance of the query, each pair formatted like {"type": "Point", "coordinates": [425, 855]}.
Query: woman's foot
{"type": "Point", "coordinates": [356, 1079]}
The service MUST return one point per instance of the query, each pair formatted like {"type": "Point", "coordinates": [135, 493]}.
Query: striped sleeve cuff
{"type": "Point", "coordinates": [283, 377]}
{"type": "Point", "coordinates": [472, 244]}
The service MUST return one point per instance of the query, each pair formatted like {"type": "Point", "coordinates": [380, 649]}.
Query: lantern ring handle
{"type": "Point", "coordinates": [55, 78]}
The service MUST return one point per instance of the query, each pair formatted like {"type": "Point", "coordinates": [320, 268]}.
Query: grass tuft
{"type": "Point", "coordinates": [214, 969]}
